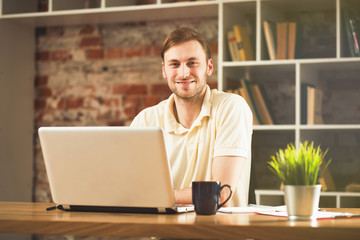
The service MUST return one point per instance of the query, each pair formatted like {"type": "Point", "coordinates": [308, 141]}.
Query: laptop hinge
{"type": "Point", "coordinates": [162, 210]}
{"type": "Point", "coordinates": [66, 206]}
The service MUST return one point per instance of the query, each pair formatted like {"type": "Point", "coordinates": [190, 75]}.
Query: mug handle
{"type": "Point", "coordinates": [221, 188]}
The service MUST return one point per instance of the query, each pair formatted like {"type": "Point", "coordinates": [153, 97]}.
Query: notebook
{"type": "Point", "coordinates": [116, 169]}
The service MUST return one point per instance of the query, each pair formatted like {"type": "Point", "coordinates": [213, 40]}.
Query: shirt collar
{"type": "Point", "coordinates": [171, 125]}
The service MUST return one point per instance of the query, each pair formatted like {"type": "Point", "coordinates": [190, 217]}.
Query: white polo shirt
{"type": "Point", "coordinates": [223, 128]}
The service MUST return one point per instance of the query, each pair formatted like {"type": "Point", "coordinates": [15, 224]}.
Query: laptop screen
{"type": "Point", "coordinates": [107, 166]}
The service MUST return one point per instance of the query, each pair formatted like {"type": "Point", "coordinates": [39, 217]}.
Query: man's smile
{"type": "Point", "coordinates": [185, 82]}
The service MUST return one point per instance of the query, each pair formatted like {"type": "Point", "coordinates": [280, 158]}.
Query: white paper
{"type": "Point", "coordinates": [319, 214]}
{"type": "Point", "coordinates": [253, 209]}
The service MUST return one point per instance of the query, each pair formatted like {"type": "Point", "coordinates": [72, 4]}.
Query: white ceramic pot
{"type": "Point", "coordinates": [302, 202]}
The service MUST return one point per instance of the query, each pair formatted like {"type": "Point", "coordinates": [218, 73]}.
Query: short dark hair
{"type": "Point", "coordinates": [182, 35]}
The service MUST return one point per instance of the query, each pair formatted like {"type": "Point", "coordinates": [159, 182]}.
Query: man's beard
{"type": "Point", "coordinates": [196, 94]}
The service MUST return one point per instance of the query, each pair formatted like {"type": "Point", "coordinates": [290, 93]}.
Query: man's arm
{"type": "Point", "coordinates": [183, 196]}
{"type": "Point", "coordinates": [225, 169]}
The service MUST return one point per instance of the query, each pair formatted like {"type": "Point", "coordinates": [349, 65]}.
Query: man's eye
{"type": "Point", "coordinates": [191, 63]}
{"type": "Point", "coordinates": [174, 64]}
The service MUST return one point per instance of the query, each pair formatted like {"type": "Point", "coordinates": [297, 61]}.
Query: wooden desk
{"type": "Point", "coordinates": [33, 218]}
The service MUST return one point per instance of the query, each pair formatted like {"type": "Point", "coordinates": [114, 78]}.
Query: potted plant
{"type": "Point", "coordinates": [299, 171]}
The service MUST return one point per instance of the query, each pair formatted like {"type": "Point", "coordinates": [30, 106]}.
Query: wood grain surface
{"type": "Point", "coordinates": [18, 217]}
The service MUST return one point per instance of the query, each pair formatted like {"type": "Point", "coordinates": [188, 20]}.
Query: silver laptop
{"type": "Point", "coordinates": [116, 169]}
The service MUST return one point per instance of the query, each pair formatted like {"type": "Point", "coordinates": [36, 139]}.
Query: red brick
{"type": "Point", "coordinates": [113, 53]}
{"type": "Point", "coordinates": [40, 103]}
{"type": "Point", "coordinates": [133, 52]}
{"type": "Point", "coordinates": [116, 123]}
{"type": "Point", "coordinates": [39, 116]}
{"type": "Point", "coordinates": [130, 113]}
{"type": "Point", "coordinates": [149, 51]}
{"type": "Point", "coordinates": [90, 41]}
{"type": "Point", "coordinates": [73, 103]}
{"type": "Point", "coordinates": [93, 54]}
{"type": "Point", "coordinates": [61, 104]}
{"type": "Point", "coordinates": [138, 110]}
{"type": "Point", "coordinates": [133, 101]}
{"type": "Point", "coordinates": [117, 114]}
{"type": "Point", "coordinates": [41, 80]}
{"type": "Point", "coordinates": [61, 55]}
{"type": "Point", "coordinates": [43, 56]}
{"type": "Point", "coordinates": [157, 51]}
{"type": "Point", "coordinates": [44, 92]}
{"type": "Point", "coordinates": [56, 31]}
{"type": "Point", "coordinates": [214, 48]}
{"type": "Point", "coordinates": [111, 102]}
{"type": "Point", "coordinates": [160, 89]}
{"type": "Point", "coordinates": [151, 101]}
{"type": "Point", "coordinates": [87, 30]}
{"type": "Point", "coordinates": [140, 89]}
{"type": "Point", "coordinates": [121, 89]}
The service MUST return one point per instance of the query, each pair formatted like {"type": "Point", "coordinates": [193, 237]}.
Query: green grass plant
{"type": "Point", "coordinates": [300, 167]}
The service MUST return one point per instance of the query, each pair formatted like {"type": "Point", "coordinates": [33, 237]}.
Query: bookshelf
{"type": "Point", "coordinates": [325, 62]}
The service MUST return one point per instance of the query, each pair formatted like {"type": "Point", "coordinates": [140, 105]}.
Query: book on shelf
{"type": "Point", "coordinates": [291, 40]}
{"type": "Point", "coordinates": [243, 43]}
{"type": "Point", "coordinates": [311, 104]}
{"type": "Point", "coordinates": [314, 105]}
{"type": "Point", "coordinates": [246, 94]}
{"type": "Point", "coordinates": [352, 187]}
{"type": "Point", "coordinates": [261, 105]}
{"type": "Point", "coordinates": [281, 40]}
{"type": "Point", "coordinates": [352, 30]}
{"type": "Point", "coordinates": [234, 53]}
{"type": "Point", "coordinates": [242, 91]}
{"type": "Point", "coordinates": [303, 102]}
{"type": "Point", "coordinates": [256, 98]}
{"type": "Point", "coordinates": [269, 32]}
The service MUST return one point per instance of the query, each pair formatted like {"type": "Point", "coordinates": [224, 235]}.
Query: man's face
{"type": "Point", "coordinates": [185, 67]}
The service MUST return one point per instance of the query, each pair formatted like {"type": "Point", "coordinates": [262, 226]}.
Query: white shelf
{"type": "Point", "coordinates": [338, 195]}
{"type": "Point", "coordinates": [291, 127]}
{"type": "Point", "coordinates": [274, 127]}
{"type": "Point", "coordinates": [116, 14]}
{"type": "Point", "coordinates": [292, 61]}
{"type": "Point", "coordinates": [331, 127]}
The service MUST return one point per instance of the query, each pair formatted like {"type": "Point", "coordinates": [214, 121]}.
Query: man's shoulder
{"type": "Point", "coordinates": [158, 108]}
{"type": "Point", "coordinates": [151, 116]}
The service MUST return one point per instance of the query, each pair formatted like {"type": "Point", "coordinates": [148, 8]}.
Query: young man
{"type": "Point", "coordinates": [207, 132]}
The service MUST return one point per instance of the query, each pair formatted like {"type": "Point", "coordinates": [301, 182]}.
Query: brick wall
{"type": "Point", "coordinates": [101, 75]}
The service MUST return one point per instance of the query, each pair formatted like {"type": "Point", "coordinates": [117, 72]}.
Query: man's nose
{"type": "Point", "coordinates": [184, 71]}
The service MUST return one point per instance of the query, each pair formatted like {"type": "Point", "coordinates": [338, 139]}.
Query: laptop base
{"type": "Point", "coordinates": [109, 209]}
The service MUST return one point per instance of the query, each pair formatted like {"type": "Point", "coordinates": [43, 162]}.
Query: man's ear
{"type": "Point", "coordinates": [163, 70]}
{"type": "Point", "coordinates": [210, 67]}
